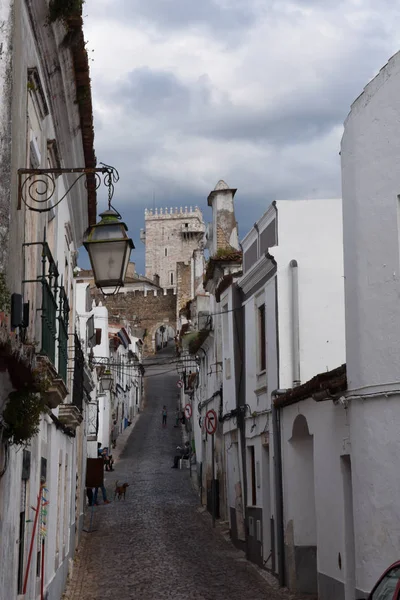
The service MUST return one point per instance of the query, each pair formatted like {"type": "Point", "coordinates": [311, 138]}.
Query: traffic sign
{"type": "Point", "coordinates": [211, 421]}
{"type": "Point", "coordinates": [188, 411]}
{"type": "Point", "coordinates": [180, 383]}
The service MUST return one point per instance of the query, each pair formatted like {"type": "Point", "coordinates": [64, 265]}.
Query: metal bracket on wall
{"type": "Point", "coordinates": [37, 187]}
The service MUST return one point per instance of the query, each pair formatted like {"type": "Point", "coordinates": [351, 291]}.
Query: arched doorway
{"type": "Point", "coordinates": [301, 527]}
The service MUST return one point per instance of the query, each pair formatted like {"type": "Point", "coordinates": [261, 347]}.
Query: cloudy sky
{"type": "Point", "coordinates": [187, 92]}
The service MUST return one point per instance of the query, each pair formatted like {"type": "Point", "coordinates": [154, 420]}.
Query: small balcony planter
{"type": "Point", "coordinates": [70, 415]}
{"type": "Point", "coordinates": [51, 386]}
{"type": "Point", "coordinates": [55, 393]}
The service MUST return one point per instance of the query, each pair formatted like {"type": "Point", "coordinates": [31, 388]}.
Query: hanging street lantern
{"type": "Point", "coordinates": [109, 249]}
{"type": "Point", "coordinates": [106, 381]}
{"type": "Point", "coordinates": [107, 242]}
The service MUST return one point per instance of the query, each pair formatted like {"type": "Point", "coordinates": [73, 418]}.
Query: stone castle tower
{"type": "Point", "coordinates": [171, 236]}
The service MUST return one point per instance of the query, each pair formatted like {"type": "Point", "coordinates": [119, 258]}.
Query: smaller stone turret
{"type": "Point", "coordinates": [224, 225]}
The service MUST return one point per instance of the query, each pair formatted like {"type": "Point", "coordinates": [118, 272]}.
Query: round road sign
{"type": "Point", "coordinates": [180, 383]}
{"type": "Point", "coordinates": [211, 421]}
{"type": "Point", "coordinates": [188, 411]}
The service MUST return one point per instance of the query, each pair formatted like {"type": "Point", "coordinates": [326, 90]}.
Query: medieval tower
{"type": "Point", "coordinates": [171, 236]}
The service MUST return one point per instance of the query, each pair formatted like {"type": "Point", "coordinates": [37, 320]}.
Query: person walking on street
{"type": "Point", "coordinates": [104, 493]}
{"type": "Point", "coordinates": [164, 416]}
{"type": "Point", "coordinates": [177, 417]}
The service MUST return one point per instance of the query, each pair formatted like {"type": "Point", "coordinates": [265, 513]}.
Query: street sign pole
{"type": "Point", "coordinates": [213, 478]}
{"type": "Point", "coordinates": [211, 422]}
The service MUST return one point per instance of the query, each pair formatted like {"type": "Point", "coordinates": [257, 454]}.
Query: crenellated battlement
{"type": "Point", "coordinates": [173, 212]}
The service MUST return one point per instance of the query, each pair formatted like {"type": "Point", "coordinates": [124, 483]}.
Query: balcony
{"type": "Point", "coordinates": [54, 313]}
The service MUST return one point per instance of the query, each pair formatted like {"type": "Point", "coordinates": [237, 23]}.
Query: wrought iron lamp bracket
{"type": "Point", "coordinates": [37, 187]}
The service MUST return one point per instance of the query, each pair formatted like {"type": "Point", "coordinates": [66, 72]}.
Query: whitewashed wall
{"type": "Point", "coordinates": [370, 155]}
{"type": "Point", "coordinates": [310, 231]}
{"type": "Point", "coordinates": [314, 508]}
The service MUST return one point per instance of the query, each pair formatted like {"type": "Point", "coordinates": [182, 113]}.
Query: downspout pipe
{"type": "Point", "coordinates": [294, 268]}
{"type": "Point", "coordinates": [280, 534]}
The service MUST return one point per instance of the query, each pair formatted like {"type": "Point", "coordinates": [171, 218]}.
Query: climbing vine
{"type": "Point", "coordinates": [21, 416]}
{"type": "Point", "coordinates": [5, 298]}
{"type": "Point", "coordinates": [62, 10]}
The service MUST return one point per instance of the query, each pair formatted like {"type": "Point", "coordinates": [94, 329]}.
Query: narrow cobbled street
{"type": "Point", "coordinates": [156, 544]}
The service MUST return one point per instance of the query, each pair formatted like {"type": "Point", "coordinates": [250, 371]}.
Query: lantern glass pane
{"type": "Point", "coordinates": [108, 232]}
{"type": "Point", "coordinates": [126, 262]}
{"type": "Point", "coordinates": [107, 260]}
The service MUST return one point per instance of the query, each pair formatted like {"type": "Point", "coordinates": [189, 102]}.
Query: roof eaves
{"type": "Point", "coordinates": [320, 387]}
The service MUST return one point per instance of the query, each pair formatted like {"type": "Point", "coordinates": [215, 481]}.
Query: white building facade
{"type": "Point", "coordinates": [283, 322]}
{"type": "Point", "coordinates": [370, 154]}
{"type": "Point", "coordinates": [41, 127]}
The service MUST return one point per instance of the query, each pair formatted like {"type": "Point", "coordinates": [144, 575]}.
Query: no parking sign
{"type": "Point", "coordinates": [211, 421]}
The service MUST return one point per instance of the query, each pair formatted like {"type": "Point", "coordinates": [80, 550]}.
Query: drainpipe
{"type": "Point", "coordinates": [239, 346]}
{"type": "Point", "coordinates": [295, 323]}
{"type": "Point", "coordinates": [280, 535]}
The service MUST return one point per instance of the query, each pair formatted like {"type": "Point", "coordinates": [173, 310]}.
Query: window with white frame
{"type": "Point", "coordinates": [226, 340]}
{"type": "Point", "coordinates": [262, 340]}
{"type": "Point", "coordinates": [260, 333]}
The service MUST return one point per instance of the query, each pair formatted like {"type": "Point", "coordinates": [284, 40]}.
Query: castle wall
{"type": "Point", "coordinates": [143, 309]}
{"type": "Point", "coordinates": [171, 237]}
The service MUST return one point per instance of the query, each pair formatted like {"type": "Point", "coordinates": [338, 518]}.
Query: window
{"type": "Point", "coordinates": [262, 349]}
{"type": "Point", "coordinates": [172, 278]}
{"type": "Point", "coordinates": [387, 585]}
{"type": "Point", "coordinates": [165, 251]}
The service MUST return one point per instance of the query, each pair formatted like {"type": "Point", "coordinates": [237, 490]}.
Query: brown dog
{"type": "Point", "coordinates": [120, 490]}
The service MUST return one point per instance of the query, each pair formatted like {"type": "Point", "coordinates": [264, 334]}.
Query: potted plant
{"type": "Point", "coordinates": [22, 415]}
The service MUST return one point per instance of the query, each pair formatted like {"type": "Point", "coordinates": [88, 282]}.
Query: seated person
{"type": "Point", "coordinates": [108, 459]}
{"type": "Point", "coordinates": [184, 454]}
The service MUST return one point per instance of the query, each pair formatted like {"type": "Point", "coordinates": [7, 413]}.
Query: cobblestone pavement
{"type": "Point", "coordinates": [156, 544]}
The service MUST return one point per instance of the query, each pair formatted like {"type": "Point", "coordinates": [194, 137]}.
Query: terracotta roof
{"type": "Point", "coordinates": [322, 386]}
{"type": "Point", "coordinates": [229, 255]}
{"type": "Point", "coordinates": [196, 343]}
{"type": "Point", "coordinates": [84, 100]}
{"type": "Point", "coordinates": [225, 283]}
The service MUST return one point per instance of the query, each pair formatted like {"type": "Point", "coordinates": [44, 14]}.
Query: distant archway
{"type": "Point", "coordinates": [163, 336]}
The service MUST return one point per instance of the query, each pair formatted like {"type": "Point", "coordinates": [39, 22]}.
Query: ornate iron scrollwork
{"type": "Point", "coordinates": [37, 187]}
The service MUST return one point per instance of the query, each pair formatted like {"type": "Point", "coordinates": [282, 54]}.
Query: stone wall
{"type": "Point", "coordinates": [171, 237]}
{"type": "Point", "coordinates": [184, 284]}
{"type": "Point", "coordinates": [6, 25]}
{"type": "Point", "coordinates": [146, 310]}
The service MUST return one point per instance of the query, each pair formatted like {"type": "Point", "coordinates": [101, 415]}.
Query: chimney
{"type": "Point", "coordinates": [156, 279]}
{"type": "Point", "coordinates": [225, 230]}
{"type": "Point", "coordinates": [130, 271]}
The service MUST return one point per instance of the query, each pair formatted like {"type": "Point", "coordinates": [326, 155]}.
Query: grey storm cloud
{"type": "Point", "coordinates": [173, 132]}
{"type": "Point", "coordinates": [180, 14]}
{"type": "Point", "coordinates": [188, 107]}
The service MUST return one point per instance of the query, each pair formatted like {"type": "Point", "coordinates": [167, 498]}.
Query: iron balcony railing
{"type": "Point", "coordinates": [54, 300]}
{"type": "Point", "coordinates": [63, 317]}
{"type": "Point", "coordinates": [49, 321]}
